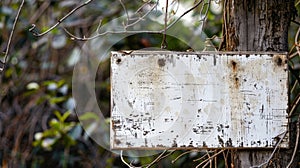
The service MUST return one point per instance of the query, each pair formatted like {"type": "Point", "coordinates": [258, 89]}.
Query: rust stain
{"type": "Point", "coordinates": [236, 81]}
{"type": "Point", "coordinates": [117, 142]}
{"type": "Point", "coordinates": [161, 62]}
{"type": "Point", "coordinates": [279, 60]}
{"type": "Point", "coordinates": [118, 61]}
{"type": "Point", "coordinates": [116, 124]}
{"type": "Point", "coordinates": [234, 65]}
{"type": "Point", "coordinates": [234, 76]}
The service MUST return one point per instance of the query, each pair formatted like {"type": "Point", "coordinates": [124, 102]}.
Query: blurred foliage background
{"type": "Point", "coordinates": [38, 125]}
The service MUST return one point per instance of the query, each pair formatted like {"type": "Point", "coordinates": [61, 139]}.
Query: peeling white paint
{"type": "Point", "coordinates": [177, 99]}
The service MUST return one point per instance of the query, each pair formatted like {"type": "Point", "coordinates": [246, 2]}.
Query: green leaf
{"type": "Point", "coordinates": [37, 143]}
{"type": "Point", "coordinates": [55, 100]}
{"type": "Point", "coordinates": [60, 83]}
{"type": "Point", "coordinates": [9, 72]}
{"type": "Point", "coordinates": [55, 124]}
{"type": "Point", "coordinates": [46, 83]}
{"type": "Point", "coordinates": [89, 115]}
{"type": "Point", "coordinates": [65, 116]}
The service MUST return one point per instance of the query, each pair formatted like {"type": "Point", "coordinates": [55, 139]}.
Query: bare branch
{"type": "Point", "coordinates": [184, 153]}
{"type": "Point", "coordinates": [208, 161]}
{"type": "Point", "coordinates": [296, 41]}
{"type": "Point", "coordinates": [209, 158]}
{"type": "Point", "coordinates": [272, 154]}
{"type": "Point", "coordinates": [297, 143]}
{"type": "Point", "coordinates": [157, 159]}
{"type": "Point", "coordinates": [171, 152]}
{"type": "Point", "coordinates": [297, 3]}
{"type": "Point", "coordinates": [40, 11]}
{"type": "Point", "coordinates": [294, 105]}
{"type": "Point", "coordinates": [225, 158]}
{"type": "Point", "coordinates": [73, 37]}
{"type": "Point", "coordinates": [11, 36]}
{"type": "Point", "coordinates": [200, 158]}
{"type": "Point", "coordinates": [174, 3]}
{"type": "Point", "coordinates": [186, 12]}
{"type": "Point", "coordinates": [122, 159]}
{"type": "Point", "coordinates": [206, 11]}
{"type": "Point", "coordinates": [294, 86]}
{"type": "Point", "coordinates": [124, 8]}
{"type": "Point", "coordinates": [59, 21]}
{"type": "Point", "coordinates": [142, 17]}
{"type": "Point", "coordinates": [164, 40]}
{"type": "Point", "coordinates": [161, 156]}
{"type": "Point", "coordinates": [141, 7]}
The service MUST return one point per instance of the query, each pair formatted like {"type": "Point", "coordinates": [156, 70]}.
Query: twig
{"type": "Point", "coordinates": [293, 55]}
{"type": "Point", "coordinates": [125, 31]}
{"type": "Point", "coordinates": [272, 154]}
{"type": "Point", "coordinates": [294, 105]}
{"type": "Point", "coordinates": [171, 152]}
{"type": "Point", "coordinates": [200, 158]}
{"type": "Point", "coordinates": [40, 11]}
{"type": "Point", "coordinates": [174, 4]}
{"type": "Point", "coordinates": [294, 21]}
{"type": "Point", "coordinates": [99, 26]}
{"type": "Point", "coordinates": [141, 7]}
{"type": "Point", "coordinates": [216, 162]}
{"type": "Point", "coordinates": [204, 165]}
{"type": "Point", "coordinates": [296, 41]}
{"type": "Point", "coordinates": [210, 157]}
{"type": "Point", "coordinates": [205, 15]}
{"type": "Point", "coordinates": [164, 44]}
{"type": "Point", "coordinates": [141, 18]}
{"type": "Point", "coordinates": [186, 12]}
{"type": "Point", "coordinates": [73, 37]}
{"type": "Point", "coordinates": [126, 12]}
{"type": "Point", "coordinates": [184, 153]}
{"type": "Point", "coordinates": [59, 21]}
{"type": "Point", "coordinates": [122, 159]}
{"type": "Point", "coordinates": [296, 83]}
{"type": "Point", "coordinates": [11, 36]}
{"type": "Point", "coordinates": [296, 145]}
{"type": "Point", "coordinates": [225, 158]}
{"type": "Point", "coordinates": [157, 159]}
{"type": "Point", "coordinates": [208, 161]}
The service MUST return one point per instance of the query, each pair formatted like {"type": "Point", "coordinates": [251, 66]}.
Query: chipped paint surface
{"type": "Point", "coordinates": [212, 100]}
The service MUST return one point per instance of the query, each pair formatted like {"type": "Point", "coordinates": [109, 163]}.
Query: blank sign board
{"type": "Point", "coordinates": [163, 100]}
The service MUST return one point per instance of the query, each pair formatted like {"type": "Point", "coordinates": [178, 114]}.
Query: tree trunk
{"type": "Point", "coordinates": [258, 25]}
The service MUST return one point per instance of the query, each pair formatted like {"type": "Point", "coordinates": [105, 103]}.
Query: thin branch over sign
{"type": "Point", "coordinates": [59, 21]}
{"type": "Point", "coordinates": [2, 67]}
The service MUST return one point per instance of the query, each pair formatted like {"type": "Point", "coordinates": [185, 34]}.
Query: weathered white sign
{"type": "Point", "coordinates": [166, 99]}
